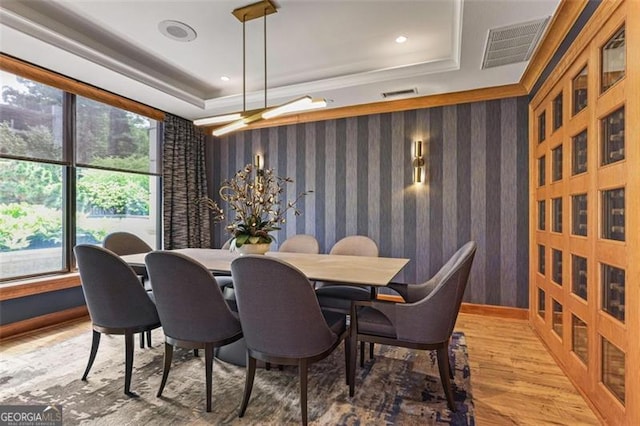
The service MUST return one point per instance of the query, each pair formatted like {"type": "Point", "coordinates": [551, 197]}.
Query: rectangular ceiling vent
{"type": "Point", "coordinates": [404, 92]}
{"type": "Point", "coordinates": [513, 43]}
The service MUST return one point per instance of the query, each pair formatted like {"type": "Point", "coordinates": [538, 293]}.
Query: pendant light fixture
{"type": "Point", "coordinates": [239, 120]}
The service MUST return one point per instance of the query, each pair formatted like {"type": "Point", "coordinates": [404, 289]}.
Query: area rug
{"type": "Point", "coordinates": [398, 386]}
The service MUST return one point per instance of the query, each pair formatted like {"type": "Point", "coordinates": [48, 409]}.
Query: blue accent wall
{"type": "Point", "coordinates": [360, 171]}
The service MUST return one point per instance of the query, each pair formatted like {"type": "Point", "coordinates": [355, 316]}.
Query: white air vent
{"type": "Point", "coordinates": [512, 44]}
{"type": "Point", "coordinates": [399, 93]}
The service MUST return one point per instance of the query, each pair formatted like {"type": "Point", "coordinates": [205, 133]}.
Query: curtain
{"type": "Point", "coordinates": [186, 220]}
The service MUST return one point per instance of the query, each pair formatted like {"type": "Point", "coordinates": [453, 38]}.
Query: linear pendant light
{"type": "Point", "coordinates": [239, 120]}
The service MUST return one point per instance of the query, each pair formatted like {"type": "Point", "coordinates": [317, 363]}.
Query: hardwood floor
{"type": "Point", "coordinates": [515, 381]}
{"type": "Point", "coordinates": [514, 378]}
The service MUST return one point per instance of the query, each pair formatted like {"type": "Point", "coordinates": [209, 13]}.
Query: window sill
{"type": "Point", "coordinates": [39, 285]}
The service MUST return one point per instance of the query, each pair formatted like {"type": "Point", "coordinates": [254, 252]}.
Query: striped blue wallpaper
{"type": "Point", "coordinates": [360, 171]}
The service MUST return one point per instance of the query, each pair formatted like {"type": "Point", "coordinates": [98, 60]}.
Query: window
{"type": "Point", "coordinates": [579, 158]}
{"type": "Point", "coordinates": [579, 338]}
{"type": "Point", "coordinates": [556, 165]}
{"type": "Point", "coordinates": [613, 137]}
{"type": "Point", "coordinates": [579, 215]}
{"type": "Point", "coordinates": [542, 217]}
{"type": "Point", "coordinates": [580, 91]}
{"type": "Point", "coordinates": [614, 60]}
{"type": "Point", "coordinates": [613, 291]}
{"type": "Point", "coordinates": [542, 171]}
{"type": "Point", "coordinates": [579, 276]}
{"type": "Point", "coordinates": [542, 127]}
{"type": "Point", "coordinates": [556, 319]}
{"type": "Point", "coordinates": [556, 205]}
{"type": "Point", "coordinates": [541, 259]}
{"type": "Point", "coordinates": [557, 112]}
{"type": "Point", "coordinates": [556, 269]}
{"type": "Point", "coordinates": [541, 303]}
{"type": "Point", "coordinates": [613, 214]}
{"type": "Point", "coordinates": [613, 369]}
{"type": "Point", "coordinates": [114, 176]}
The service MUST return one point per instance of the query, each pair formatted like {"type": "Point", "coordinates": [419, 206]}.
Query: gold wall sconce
{"type": "Point", "coordinates": [418, 163]}
{"type": "Point", "coordinates": [258, 164]}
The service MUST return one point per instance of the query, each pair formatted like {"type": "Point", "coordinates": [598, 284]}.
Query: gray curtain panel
{"type": "Point", "coordinates": [186, 220]}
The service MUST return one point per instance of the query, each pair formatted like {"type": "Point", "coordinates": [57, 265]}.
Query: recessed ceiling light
{"type": "Point", "coordinates": [224, 78]}
{"type": "Point", "coordinates": [401, 39]}
{"type": "Point", "coordinates": [177, 30]}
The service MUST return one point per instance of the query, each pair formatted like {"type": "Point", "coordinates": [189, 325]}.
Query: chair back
{"type": "Point", "coordinates": [300, 244]}
{"type": "Point", "coordinates": [124, 243]}
{"type": "Point", "coordinates": [355, 245]}
{"type": "Point", "coordinates": [189, 301]}
{"type": "Point", "coordinates": [112, 290]}
{"type": "Point", "coordinates": [434, 317]}
{"type": "Point", "coordinates": [278, 309]}
{"type": "Point", "coordinates": [227, 244]}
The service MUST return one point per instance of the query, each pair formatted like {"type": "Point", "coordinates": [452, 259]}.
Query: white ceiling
{"type": "Point", "coordinates": [342, 50]}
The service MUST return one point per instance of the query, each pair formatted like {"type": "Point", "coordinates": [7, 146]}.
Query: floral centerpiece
{"type": "Point", "coordinates": [255, 197]}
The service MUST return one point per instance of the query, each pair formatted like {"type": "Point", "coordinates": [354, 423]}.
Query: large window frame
{"type": "Point", "coordinates": [71, 90]}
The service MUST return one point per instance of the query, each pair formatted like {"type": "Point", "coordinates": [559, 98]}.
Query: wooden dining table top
{"type": "Point", "coordinates": [356, 270]}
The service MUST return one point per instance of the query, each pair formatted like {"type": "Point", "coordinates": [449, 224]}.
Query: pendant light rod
{"type": "Point", "coordinates": [265, 57]}
{"type": "Point", "coordinates": [244, 66]}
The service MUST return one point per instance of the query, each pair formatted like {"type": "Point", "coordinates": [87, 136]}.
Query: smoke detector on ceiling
{"type": "Point", "coordinates": [513, 43]}
{"type": "Point", "coordinates": [177, 30]}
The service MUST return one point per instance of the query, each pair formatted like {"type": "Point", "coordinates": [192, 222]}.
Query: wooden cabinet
{"type": "Point", "coordinates": [585, 259]}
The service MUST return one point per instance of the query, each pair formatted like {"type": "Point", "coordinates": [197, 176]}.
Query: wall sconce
{"type": "Point", "coordinates": [418, 163]}
{"type": "Point", "coordinates": [258, 163]}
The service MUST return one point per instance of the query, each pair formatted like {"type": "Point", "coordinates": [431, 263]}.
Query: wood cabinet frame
{"type": "Point", "coordinates": [586, 49]}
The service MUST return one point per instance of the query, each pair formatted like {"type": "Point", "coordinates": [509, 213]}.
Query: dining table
{"type": "Point", "coordinates": [374, 272]}
{"type": "Point", "coordinates": [355, 270]}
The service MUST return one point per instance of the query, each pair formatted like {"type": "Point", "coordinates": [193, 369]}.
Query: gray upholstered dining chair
{"type": "Point", "coordinates": [338, 297]}
{"type": "Point", "coordinates": [125, 243]}
{"type": "Point", "coordinates": [282, 321]}
{"type": "Point", "coordinates": [426, 323]}
{"type": "Point", "coordinates": [301, 243]}
{"type": "Point", "coordinates": [116, 301]}
{"type": "Point", "coordinates": [192, 310]}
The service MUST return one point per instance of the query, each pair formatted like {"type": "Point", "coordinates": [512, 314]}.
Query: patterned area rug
{"type": "Point", "coordinates": [398, 387]}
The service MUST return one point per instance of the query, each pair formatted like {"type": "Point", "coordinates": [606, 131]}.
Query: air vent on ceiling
{"type": "Point", "coordinates": [512, 44]}
{"type": "Point", "coordinates": [399, 93]}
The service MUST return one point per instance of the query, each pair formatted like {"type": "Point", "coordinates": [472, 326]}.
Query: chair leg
{"type": "Point", "coordinates": [196, 353]}
{"type": "Point", "coordinates": [168, 356]}
{"type": "Point", "coordinates": [128, 363]}
{"type": "Point", "coordinates": [371, 350]}
{"type": "Point", "coordinates": [248, 384]}
{"type": "Point", "coordinates": [142, 340]}
{"type": "Point", "coordinates": [208, 366]}
{"type": "Point", "coordinates": [302, 367]}
{"type": "Point", "coordinates": [347, 358]}
{"type": "Point", "coordinates": [95, 342]}
{"type": "Point", "coordinates": [353, 349]}
{"type": "Point", "coordinates": [148, 338]}
{"type": "Point", "coordinates": [445, 370]}
{"type": "Point", "coordinates": [361, 354]}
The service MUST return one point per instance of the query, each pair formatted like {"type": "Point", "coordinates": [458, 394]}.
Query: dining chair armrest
{"type": "Point", "coordinates": [386, 307]}
{"type": "Point", "coordinates": [400, 288]}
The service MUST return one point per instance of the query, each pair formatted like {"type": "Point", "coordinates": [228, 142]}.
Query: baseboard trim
{"type": "Point", "coordinates": [495, 311]}
{"type": "Point", "coordinates": [472, 308]}
{"type": "Point", "coordinates": [43, 321]}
